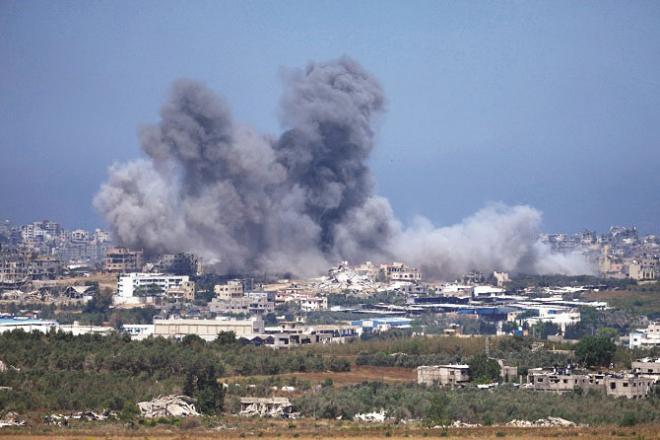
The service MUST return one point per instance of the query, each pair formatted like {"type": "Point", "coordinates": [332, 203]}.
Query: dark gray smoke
{"type": "Point", "coordinates": [298, 203]}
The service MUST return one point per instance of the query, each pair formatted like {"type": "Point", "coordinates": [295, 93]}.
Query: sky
{"type": "Point", "coordinates": [548, 103]}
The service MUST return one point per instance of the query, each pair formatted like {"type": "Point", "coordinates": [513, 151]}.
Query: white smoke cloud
{"type": "Point", "coordinates": [298, 203]}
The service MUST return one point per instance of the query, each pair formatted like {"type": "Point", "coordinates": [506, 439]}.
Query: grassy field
{"type": "Point", "coordinates": [639, 300]}
{"type": "Point", "coordinates": [358, 374]}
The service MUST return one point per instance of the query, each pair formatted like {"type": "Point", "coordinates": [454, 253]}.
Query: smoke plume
{"type": "Point", "coordinates": [247, 202]}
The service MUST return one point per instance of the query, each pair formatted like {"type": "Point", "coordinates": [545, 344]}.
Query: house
{"type": "Point", "coordinates": [646, 337]}
{"type": "Point", "coordinates": [445, 375]}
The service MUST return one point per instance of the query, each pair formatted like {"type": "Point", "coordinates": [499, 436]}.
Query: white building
{"type": "Point", "coordinates": [645, 337]}
{"type": "Point", "coordinates": [26, 324]}
{"type": "Point", "coordinates": [561, 316]}
{"type": "Point", "coordinates": [207, 329]}
{"type": "Point", "coordinates": [138, 332]}
{"type": "Point", "coordinates": [130, 282]}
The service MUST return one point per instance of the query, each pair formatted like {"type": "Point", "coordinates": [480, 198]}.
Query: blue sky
{"type": "Point", "coordinates": [553, 104]}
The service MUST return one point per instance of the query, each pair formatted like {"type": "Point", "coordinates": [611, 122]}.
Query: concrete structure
{"type": "Point", "coordinates": [631, 386]}
{"type": "Point", "coordinates": [228, 290]}
{"type": "Point", "coordinates": [122, 260]}
{"type": "Point", "coordinates": [138, 331]}
{"type": "Point", "coordinates": [207, 329]}
{"type": "Point", "coordinates": [400, 272]}
{"type": "Point", "coordinates": [250, 303]}
{"type": "Point", "coordinates": [562, 316]}
{"type": "Point", "coordinates": [266, 407]}
{"type": "Point", "coordinates": [645, 337]}
{"type": "Point", "coordinates": [649, 367]}
{"type": "Point", "coordinates": [77, 329]}
{"type": "Point", "coordinates": [26, 324]}
{"type": "Point", "coordinates": [445, 375]}
{"type": "Point", "coordinates": [128, 284]}
{"type": "Point", "coordinates": [293, 334]}
{"type": "Point", "coordinates": [646, 268]}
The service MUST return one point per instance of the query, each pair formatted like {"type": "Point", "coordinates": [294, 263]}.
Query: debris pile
{"type": "Point", "coordinates": [267, 407]}
{"type": "Point", "coordinates": [11, 419]}
{"type": "Point", "coordinates": [373, 417]}
{"type": "Point", "coordinates": [344, 278]}
{"type": "Point", "coordinates": [87, 416]}
{"type": "Point", "coordinates": [546, 423]}
{"type": "Point", "coordinates": [168, 406]}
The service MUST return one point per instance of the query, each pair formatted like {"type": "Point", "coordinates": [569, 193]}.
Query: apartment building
{"type": "Point", "coordinates": [122, 260]}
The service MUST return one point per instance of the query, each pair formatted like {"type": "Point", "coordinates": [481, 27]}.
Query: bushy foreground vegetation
{"type": "Point", "coordinates": [441, 406]}
{"type": "Point", "coordinates": [58, 371]}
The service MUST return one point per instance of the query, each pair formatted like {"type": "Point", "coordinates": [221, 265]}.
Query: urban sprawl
{"type": "Point", "coordinates": [80, 283]}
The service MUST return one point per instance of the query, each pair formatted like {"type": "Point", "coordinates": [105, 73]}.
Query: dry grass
{"type": "Point", "coordinates": [322, 431]}
{"type": "Point", "coordinates": [358, 374]}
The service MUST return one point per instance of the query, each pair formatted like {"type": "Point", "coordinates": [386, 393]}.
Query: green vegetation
{"type": "Point", "coordinates": [58, 371]}
{"type": "Point", "coordinates": [484, 369]}
{"type": "Point", "coordinates": [471, 405]}
{"type": "Point", "coordinates": [595, 351]}
{"type": "Point", "coordinates": [638, 300]}
{"type": "Point", "coordinates": [522, 281]}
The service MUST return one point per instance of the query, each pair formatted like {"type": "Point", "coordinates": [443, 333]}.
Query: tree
{"type": "Point", "coordinates": [483, 368]}
{"type": "Point", "coordinates": [201, 384]}
{"type": "Point", "coordinates": [595, 351]}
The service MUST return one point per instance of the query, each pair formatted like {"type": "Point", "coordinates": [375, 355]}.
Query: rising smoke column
{"type": "Point", "coordinates": [253, 203]}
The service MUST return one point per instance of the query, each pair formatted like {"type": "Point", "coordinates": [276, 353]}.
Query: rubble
{"type": "Point", "coordinates": [547, 422]}
{"type": "Point", "coordinates": [345, 278]}
{"type": "Point", "coordinates": [11, 419]}
{"type": "Point", "coordinates": [87, 416]}
{"type": "Point", "coordinates": [267, 407]}
{"type": "Point", "coordinates": [168, 406]}
{"type": "Point", "coordinates": [376, 416]}
{"type": "Point", "coordinates": [458, 424]}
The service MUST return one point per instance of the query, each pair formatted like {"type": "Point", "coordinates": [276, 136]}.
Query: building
{"type": "Point", "coordinates": [228, 290]}
{"type": "Point", "coordinates": [122, 260]}
{"type": "Point", "coordinates": [180, 264]}
{"type": "Point", "coordinates": [142, 284]}
{"type": "Point", "coordinates": [138, 332]}
{"type": "Point", "coordinates": [26, 324]}
{"type": "Point", "coordinates": [207, 329]}
{"type": "Point", "coordinates": [400, 272]}
{"type": "Point", "coordinates": [630, 386]}
{"type": "Point", "coordinates": [645, 337]}
{"type": "Point", "coordinates": [77, 329]}
{"type": "Point", "coordinates": [647, 367]}
{"type": "Point", "coordinates": [293, 334]}
{"type": "Point", "coordinates": [445, 375]}
{"type": "Point", "coordinates": [250, 303]}
{"type": "Point", "coordinates": [644, 269]}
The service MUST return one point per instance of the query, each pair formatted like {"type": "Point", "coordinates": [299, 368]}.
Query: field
{"type": "Point", "coordinates": [643, 301]}
{"type": "Point", "coordinates": [358, 374]}
{"type": "Point", "coordinates": [309, 430]}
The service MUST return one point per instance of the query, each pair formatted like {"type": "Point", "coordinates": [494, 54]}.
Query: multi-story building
{"type": "Point", "coordinates": [228, 290]}
{"type": "Point", "coordinates": [400, 272]}
{"type": "Point", "coordinates": [122, 260]}
{"type": "Point", "coordinates": [645, 268]}
{"type": "Point", "coordinates": [645, 337]}
{"type": "Point", "coordinates": [631, 386]}
{"type": "Point", "coordinates": [130, 284]}
{"type": "Point", "coordinates": [250, 303]}
{"type": "Point", "coordinates": [647, 367]}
